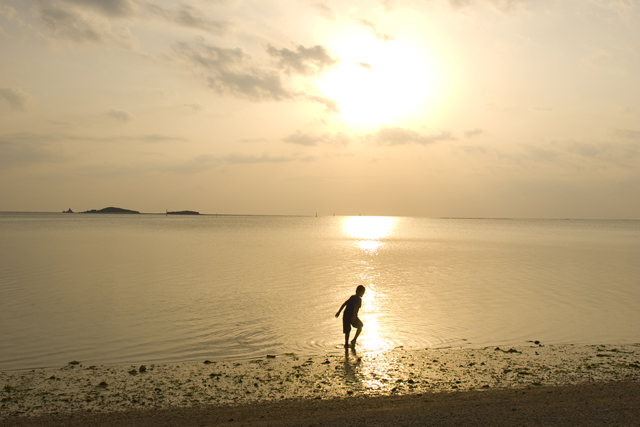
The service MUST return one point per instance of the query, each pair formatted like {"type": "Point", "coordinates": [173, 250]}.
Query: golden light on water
{"type": "Point", "coordinates": [369, 230]}
{"type": "Point", "coordinates": [368, 227]}
{"type": "Point", "coordinates": [368, 233]}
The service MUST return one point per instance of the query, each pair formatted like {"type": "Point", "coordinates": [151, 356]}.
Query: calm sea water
{"type": "Point", "coordinates": [118, 289]}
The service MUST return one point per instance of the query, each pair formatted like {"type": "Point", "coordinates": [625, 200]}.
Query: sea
{"type": "Point", "coordinates": [131, 289]}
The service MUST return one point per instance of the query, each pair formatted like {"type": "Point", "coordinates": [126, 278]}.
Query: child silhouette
{"type": "Point", "coordinates": [350, 316]}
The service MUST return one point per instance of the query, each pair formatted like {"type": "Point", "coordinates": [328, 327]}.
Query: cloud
{"type": "Point", "coordinates": [189, 16]}
{"type": "Point", "coordinates": [253, 140]}
{"type": "Point", "coordinates": [613, 59]}
{"type": "Point", "coordinates": [618, 153]}
{"type": "Point", "coordinates": [628, 133]}
{"type": "Point", "coordinates": [16, 97]}
{"type": "Point", "coordinates": [306, 139]}
{"type": "Point", "coordinates": [502, 5]}
{"type": "Point", "coordinates": [539, 153]}
{"type": "Point", "coordinates": [364, 65]}
{"type": "Point", "coordinates": [324, 10]}
{"type": "Point", "coordinates": [312, 140]}
{"type": "Point", "coordinates": [194, 107]}
{"type": "Point", "coordinates": [20, 150]}
{"type": "Point", "coordinates": [473, 133]}
{"type": "Point", "coordinates": [7, 11]}
{"type": "Point", "coordinates": [331, 106]}
{"type": "Point", "coordinates": [72, 24]}
{"type": "Point", "coordinates": [111, 8]}
{"type": "Point", "coordinates": [198, 164]}
{"type": "Point", "coordinates": [252, 84]}
{"type": "Point", "coordinates": [384, 136]}
{"type": "Point", "coordinates": [161, 138]}
{"type": "Point", "coordinates": [378, 35]}
{"type": "Point", "coordinates": [232, 71]}
{"type": "Point", "coordinates": [249, 159]}
{"type": "Point", "coordinates": [473, 149]}
{"type": "Point", "coordinates": [388, 5]}
{"type": "Point", "coordinates": [391, 136]}
{"type": "Point", "coordinates": [206, 162]}
{"type": "Point", "coordinates": [303, 60]}
{"type": "Point", "coordinates": [121, 116]}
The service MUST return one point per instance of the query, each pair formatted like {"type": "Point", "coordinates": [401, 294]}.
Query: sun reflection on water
{"type": "Point", "coordinates": [365, 365]}
{"type": "Point", "coordinates": [368, 227]}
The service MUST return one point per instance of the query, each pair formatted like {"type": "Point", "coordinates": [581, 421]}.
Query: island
{"type": "Point", "coordinates": [69, 211]}
{"type": "Point", "coordinates": [111, 210]}
{"type": "Point", "coordinates": [183, 213]}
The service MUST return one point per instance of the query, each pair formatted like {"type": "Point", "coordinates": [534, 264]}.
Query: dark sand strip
{"type": "Point", "coordinates": [611, 404]}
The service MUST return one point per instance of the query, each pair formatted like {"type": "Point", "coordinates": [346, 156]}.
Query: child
{"type": "Point", "coordinates": [350, 317]}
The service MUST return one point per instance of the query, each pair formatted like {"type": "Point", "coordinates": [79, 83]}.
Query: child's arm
{"type": "Point", "coordinates": [341, 307]}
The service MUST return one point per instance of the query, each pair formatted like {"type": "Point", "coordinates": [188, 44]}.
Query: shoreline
{"type": "Point", "coordinates": [596, 404]}
{"type": "Point", "coordinates": [115, 391]}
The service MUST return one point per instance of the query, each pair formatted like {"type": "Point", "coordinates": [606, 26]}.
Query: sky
{"type": "Point", "coordinates": [436, 108]}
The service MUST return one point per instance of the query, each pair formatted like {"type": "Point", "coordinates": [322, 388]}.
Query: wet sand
{"type": "Point", "coordinates": [531, 384]}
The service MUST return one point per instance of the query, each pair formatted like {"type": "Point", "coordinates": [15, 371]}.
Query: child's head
{"type": "Point", "coordinates": [360, 290]}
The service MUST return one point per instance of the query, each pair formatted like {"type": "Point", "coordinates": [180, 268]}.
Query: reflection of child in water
{"type": "Point", "coordinates": [350, 317]}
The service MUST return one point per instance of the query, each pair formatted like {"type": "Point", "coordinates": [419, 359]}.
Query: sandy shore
{"type": "Point", "coordinates": [532, 383]}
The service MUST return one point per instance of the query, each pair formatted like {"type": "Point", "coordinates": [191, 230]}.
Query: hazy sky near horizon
{"type": "Point", "coordinates": [469, 108]}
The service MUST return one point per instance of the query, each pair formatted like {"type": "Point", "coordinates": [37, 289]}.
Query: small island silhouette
{"type": "Point", "coordinates": [183, 213]}
{"type": "Point", "coordinates": [111, 210]}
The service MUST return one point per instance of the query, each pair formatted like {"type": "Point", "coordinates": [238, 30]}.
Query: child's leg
{"type": "Point", "coordinates": [346, 339]}
{"type": "Point", "coordinates": [357, 335]}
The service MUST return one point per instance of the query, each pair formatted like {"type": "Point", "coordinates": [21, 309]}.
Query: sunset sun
{"type": "Point", "coordinates": [378, 82]}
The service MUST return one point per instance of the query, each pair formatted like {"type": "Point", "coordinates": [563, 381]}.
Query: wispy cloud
{"type": "Point", "coordinates": [250, 159]}
{"type": "Point", "coordinates": [331, 106]}
{"type": "Point", "coordinates": [231, 71]}
{"type": "Point", "coordinates": [628, 133]}
{"type": "Point", "coordinates": [191, 17]}
{"type": "Point", "coordinates": [111, 8]}
{"type": "Point", "coordinates": [502, 5]}
{"type": "Point", "coordinates": [121, 116]}
{"type": "Point", "coordinates": [324, 10]}
{"type": "Point", "coordinates": [16, 97]}
{"type": "Point", "coordinates": [473, 133]}
{"type": "Point", "coordinates": [400, 136]}
{"type": "Point", "coordinates": [161, 138]}
{"type": "Point", "coordinates": [194, 107]}
{"type": "Point", "coordinates": [21, 150]}
{"type": "Point", "coordinates": [364, 65]}
{"type": "Point", "coordinates": [81, 26]}
{"type": "Point", "coordinates": [206, 162]}
{"type": "Point", "coordinates": [303, 60]}
{"type": "Point", "coordinates": [312, 139]}
{"type": "Point", "coordinates": [7, 11]}
{"type": "Point", "coordinates": [377, 34]}
{"type": "Point", "coordinates": [384, 136]}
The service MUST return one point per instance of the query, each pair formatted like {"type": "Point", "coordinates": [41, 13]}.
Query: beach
{"type": "Point", "coordinates": [531, 382]}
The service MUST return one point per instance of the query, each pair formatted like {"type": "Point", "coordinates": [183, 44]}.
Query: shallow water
{"type": "Point", "coordinates": [115, 289]}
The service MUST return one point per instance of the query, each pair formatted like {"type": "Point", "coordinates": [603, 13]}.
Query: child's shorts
{"type": "Point", "coordinates": [346, 325]}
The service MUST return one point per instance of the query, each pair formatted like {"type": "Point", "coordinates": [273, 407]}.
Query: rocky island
{"type": "Point", "coordinates": [112, 210]}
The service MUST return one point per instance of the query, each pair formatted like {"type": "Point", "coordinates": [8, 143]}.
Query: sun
{"type": "Point", "coordinates": [379, 82]}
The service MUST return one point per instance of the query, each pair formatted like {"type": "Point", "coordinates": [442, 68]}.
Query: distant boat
{"type": "Point", "coordinates": [183, 213]}
{"type": "Point", "coordinates": [112, 210]}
